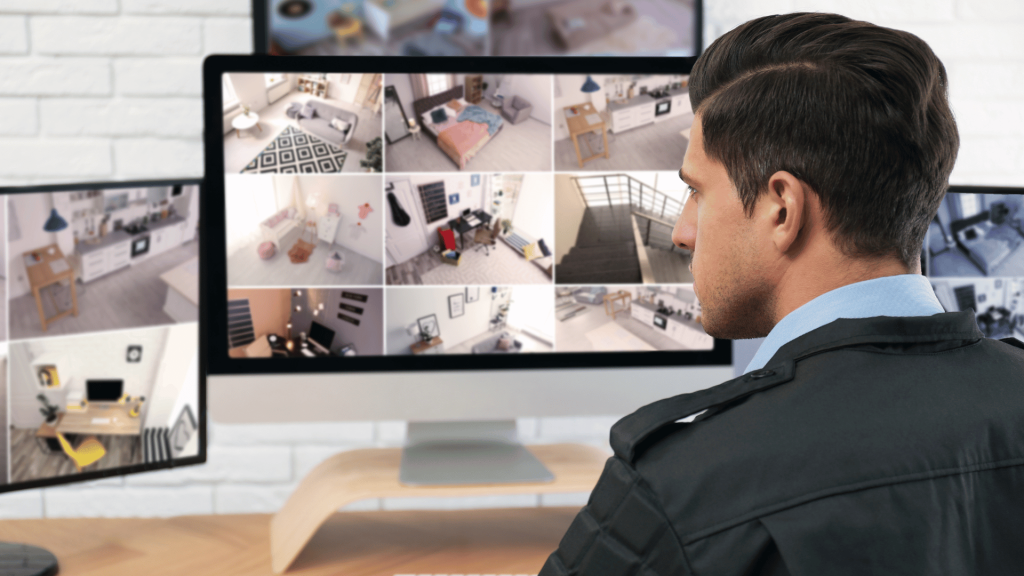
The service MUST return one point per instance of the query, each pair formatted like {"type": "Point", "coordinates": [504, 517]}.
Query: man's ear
{"type": "Point", "coordinates": [784, 209]}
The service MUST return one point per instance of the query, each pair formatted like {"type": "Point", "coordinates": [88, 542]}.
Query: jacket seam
{"type": "Point", "coordinates": [641, 483]}
{"type": "Point", "coordinates": [947, 351]}
{"type": "Point", "coordinates": [846, 489]}
{"type": "Point", "coordinates": [887, 339]}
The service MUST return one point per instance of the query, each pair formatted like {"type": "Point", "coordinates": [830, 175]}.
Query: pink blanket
{"type": "Point", "coordinates": [460, 140]}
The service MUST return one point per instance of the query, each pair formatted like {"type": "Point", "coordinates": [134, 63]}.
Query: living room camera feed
{"type": "Point", "coordinates": [628, 318]}
{"type": "Point", "coordinates": [470, 320]}
{"type": "Point", "coordinates": [616, 228]}
{"type": "Point", "coordinates": [94, 402]}
{"type": "Point", "coordinates": [305, 322]}
{"type": "Point", "coordinates": [378, 27]}
{"type": "Point", "coordinates": [309, 230]}
{"type": "Point", "coordinates": [302, 123]}
{"type": "Point", "coordinates": [462, 229]}
{"type": "Point", "coordinates": [480, 122]}
{"type": "Point", "coordinates": [977, 235]}
{"type": "Point", "coordinates": [621, 122]}
{"type": "Point", "coordinates": [104, 259]}
{"type": "Point", "coordinates": [996, 302]}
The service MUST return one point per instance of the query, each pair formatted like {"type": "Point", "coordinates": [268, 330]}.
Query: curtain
{"type": "Point", "coordinates": [419, 86]}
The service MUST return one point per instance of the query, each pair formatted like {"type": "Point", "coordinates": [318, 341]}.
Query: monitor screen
{"type": "Point", "coordinates": [103, 390]}
{"type": "Point", "coordinates": [478, 215]}
{"type": "Point", "coordinates": [321, 334]}
{"type": "Point", "coordinates": [478, 27]}
{"type": "Point", "coordinates": [99, 331]}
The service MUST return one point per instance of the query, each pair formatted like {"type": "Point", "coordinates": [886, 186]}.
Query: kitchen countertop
{"type": "Point", "coordinates": [654, 308]}
{"type": "Point", "coordinates": [107, 241]}
{"type": "Point", "coordinates": [642, 99]}
{"type": "Point", "coordinates": [169, 221]}
{"type": "Point", "coordinates": [185, 279]}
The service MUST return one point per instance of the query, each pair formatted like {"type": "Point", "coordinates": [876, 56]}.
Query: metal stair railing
{"type": "Point", "coordinates": [657, 208]}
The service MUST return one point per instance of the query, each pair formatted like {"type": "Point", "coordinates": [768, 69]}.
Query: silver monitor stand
{"type": "Point", "coordinates": [450, 453]}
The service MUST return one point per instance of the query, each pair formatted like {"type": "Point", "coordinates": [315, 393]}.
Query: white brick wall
{"type": "Point", "coordinates": [108, 89]}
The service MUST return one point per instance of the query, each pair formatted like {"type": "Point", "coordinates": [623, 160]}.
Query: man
{"type": "Point", "coordinates": [875, 434]}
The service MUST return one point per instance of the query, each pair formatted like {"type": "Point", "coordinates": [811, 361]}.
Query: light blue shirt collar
{"type": "Point", "coordinates": [903, 295]}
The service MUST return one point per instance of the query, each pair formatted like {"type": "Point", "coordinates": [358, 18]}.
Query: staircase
{"type": "Point", "coordinates": [625, 235]}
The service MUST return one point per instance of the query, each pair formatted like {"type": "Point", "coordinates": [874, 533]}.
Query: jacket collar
{"type": "Point", "coordinates": [845, 332]}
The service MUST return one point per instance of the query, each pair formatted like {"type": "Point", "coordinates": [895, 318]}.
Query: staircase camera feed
{"type": "Point", "coordinates": [462, 122]}
{"type": "Point", "coordinates": [100, 367]}
{"type": "Point", "coordinates": [301, 123]}
{"type": "Point", "coordinates": [463, 241]}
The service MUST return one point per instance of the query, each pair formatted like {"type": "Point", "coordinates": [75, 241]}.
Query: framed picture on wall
{"type": "Point", "coordinates": [472, 294]}
{"type": "Point", "coordinates": [428, 326]}
{"type": "Point", "coordinates": [456, 305]}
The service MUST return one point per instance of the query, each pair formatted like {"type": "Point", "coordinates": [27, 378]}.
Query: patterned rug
{"type": "Point", "coordinates": [503, 266]}
{"type": "Point", "coordinates": [293, 151]}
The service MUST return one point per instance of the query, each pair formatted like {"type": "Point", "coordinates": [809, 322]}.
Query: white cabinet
{"type": "Point", "coordinates": [163, 239]}
{"type": "Point", "coordinates": [632, 117]}
{"type": "Point", "coordinates": [106, 260]}
{"type": "Point", "coordinates": [642, 315]}
{"type": "Point", "coordinates": [327, 227]}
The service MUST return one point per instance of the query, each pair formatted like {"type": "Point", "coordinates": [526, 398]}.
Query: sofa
{"type": "Point", "coordinates": [320, 124]}
{"type": "Point", "coordinates": [274, 228]}
{"type": "Point", "coordinates": [582, 21]}
{"type": "Point", "coordinates": [517, 110]}
{"type": "Point", "coordinates": [590, 294]}
{"type": "Point", "coordinates": [490, 345]}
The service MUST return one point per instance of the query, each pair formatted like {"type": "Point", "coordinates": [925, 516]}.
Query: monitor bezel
{"type": "Point", "coordinates": [200, 458]}
{"type": "Point", "coordinates": [261, 29]}
{"type": "Point", "coordinates": [216, 328]}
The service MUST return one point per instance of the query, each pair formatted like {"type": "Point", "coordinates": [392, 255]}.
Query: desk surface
{"type": "Point", "coordinates": [120, 423]}
{"type": "Point", "coordinates": [41, 273]}
{"type": "Point", "coordinates": [464, 226]}
{"type": "Point", "coordinates": [514, 541]}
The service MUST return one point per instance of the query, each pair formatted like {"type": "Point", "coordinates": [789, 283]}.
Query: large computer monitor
{"type": "Point", "coordinates": [478, 27]}
{"type": "Point", "coordinates": [558, 293]}
{"type": "Point", "coordinates": [100, 366]}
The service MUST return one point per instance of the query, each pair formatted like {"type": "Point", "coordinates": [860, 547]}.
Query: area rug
{"type": "Point", "coordinates": [299, 254]}
{"type": "Point", "coordinates": [293, 151]}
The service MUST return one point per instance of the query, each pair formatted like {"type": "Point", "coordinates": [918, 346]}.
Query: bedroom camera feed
{"type": "Point", "coordinates": [977, 235]}
{"type": "Point", "coordinates": [452, 122]}
{"type": "Point", "coordinates": [616, 228]}
{"type": "Point", "coordinates": [309, 230]}
{"type": "Point", "coordinates": [461, 229]}
{"type": "Point", "coordinates": [996, 302]}
{"type": "Point", "coordinates": [302, 123]}
{"type": "Point", "coordinates": [377, 27]}
{"type": "Point", "coordinates": [305, 322]}
{"type": "Point", "coordinates": [470, 320]}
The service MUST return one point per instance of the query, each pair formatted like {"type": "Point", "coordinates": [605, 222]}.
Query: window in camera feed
{"type": "Point", "coordinates": [100, 363]}
{"type": "Point", "coordinates": [481, 28]}
{"type": "Point", "coordinates": [511, 214]}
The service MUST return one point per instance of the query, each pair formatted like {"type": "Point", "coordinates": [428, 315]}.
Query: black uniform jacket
{"type": "Point", "coordinates": [872, 446]}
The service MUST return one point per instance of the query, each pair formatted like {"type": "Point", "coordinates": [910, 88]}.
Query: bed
{"type": "Point", "coordinates": [987, 244]}
{"type": "Point", "coordinates": [459, 140]}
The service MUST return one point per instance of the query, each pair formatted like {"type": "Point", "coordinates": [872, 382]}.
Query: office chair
{"type": "Point", "coordinates": [485, 238]}
{"type": "Point", "coordinates": [88, 452]}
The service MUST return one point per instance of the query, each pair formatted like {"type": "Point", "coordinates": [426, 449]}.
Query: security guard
{"type": "Point", "coordinates": [873, 433]}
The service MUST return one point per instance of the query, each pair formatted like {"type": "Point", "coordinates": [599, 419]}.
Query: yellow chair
{"type": "Point", "coordinates": [89, 451]}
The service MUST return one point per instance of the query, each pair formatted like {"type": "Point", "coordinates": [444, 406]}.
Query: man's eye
{"type": "Point", "coordinates": [690, 190]}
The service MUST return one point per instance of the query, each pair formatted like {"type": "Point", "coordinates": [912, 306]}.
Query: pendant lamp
{"type": "Point", "coordinates": [590, 85]}
{"type": "Point", "coordinates": [55, 223]}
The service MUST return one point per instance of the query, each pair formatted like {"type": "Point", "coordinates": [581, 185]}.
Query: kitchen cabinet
{"type": "Point", "coordinates": [96, 263]}
{"type": "Point", "coordinates": [642, 315]}
{"type": "Point", "coordinates": [632, 117]}
{"type": "Point", "coordinates": [163, 239]}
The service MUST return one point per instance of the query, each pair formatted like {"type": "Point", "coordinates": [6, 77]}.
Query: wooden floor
{"type": "Point", "coordinates": [528, 31]}
{"type": "Point", "coordinates": [29, 461]}
{"type": "Point", "coordinates": [669, 267]}
{"type": "Point", "coordinates": [132, 297]}
{"type": "Point", "coordinates": [509, 541]}
{"type": "Point", "coordinates": [570, 335]}
{"type": "Point", "coordinates": [238, 152]}
{"type": "Point", "coordinates": [245, 268]}
{"type": "Point", "coordinates": [657, 146]}
{"type": "Point", "coordinates": [523, 147]}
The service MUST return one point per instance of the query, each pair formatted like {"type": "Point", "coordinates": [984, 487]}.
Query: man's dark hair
{"type": "Point", "coordinates": [856, 111]}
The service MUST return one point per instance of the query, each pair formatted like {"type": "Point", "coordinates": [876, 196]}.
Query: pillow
{"type": "Point", "coordinates": [439, 115]}
{"type": "Point", "coordinates": [531, 252]}
{"type": "Point", "coordinates": [454, 105]}
{"type": "Point", "coordinates": [543, 247]}
{"type": "Point", "coordinates": [504, 343]}
{"type": "Point", "coordinates": [463, 102]}
{"type": "Point", "coordinates": [340, 125]}
{"type": "Point", "coordinates": [307, 111]}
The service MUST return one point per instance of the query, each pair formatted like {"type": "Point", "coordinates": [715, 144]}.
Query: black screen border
{"type": "Point", "coordinates": [203, 343]}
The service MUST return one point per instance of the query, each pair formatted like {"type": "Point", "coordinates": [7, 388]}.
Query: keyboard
{"type": "Point", "coordinates": [101, 420]}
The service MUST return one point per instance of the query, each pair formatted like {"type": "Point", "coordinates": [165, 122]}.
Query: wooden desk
{"type": "Point", "coordinates": [625, 298]}
{"type": "Point", "coordinates": [47, 434]}
{"type": "Point", "coordinates": [120, 423]}
{"type": "Point", "coordinates": [579, 126]}
{"type": "Point", "coordinates": [428, 346]}
{"type": "Point", "coordinates": [514, 541]}
{"type": "Point", "coordinates": [41, 275]}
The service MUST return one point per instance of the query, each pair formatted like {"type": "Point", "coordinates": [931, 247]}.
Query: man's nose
{"type": "Point", "coordinates": [684, 234]}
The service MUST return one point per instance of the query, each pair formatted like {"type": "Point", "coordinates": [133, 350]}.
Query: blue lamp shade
{"type": "Point", "coordinates": [55, 223]}
{"type": "Point", "coordinates": [590, 85]}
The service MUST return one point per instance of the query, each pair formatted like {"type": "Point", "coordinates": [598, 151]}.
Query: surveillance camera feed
{"type": "Point", "coordinates": [403, 214]}
{"type": "Point", "coordinates": [482, 27]}
{"type": "Point", "coordinates": [99, 332]}
{"type": "Point", "coordinates": [975, 258]}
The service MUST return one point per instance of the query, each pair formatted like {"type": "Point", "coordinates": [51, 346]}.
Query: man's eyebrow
{"type": "Point", "coordinates": [687, 178]}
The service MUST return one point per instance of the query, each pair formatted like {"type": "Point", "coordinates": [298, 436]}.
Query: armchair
{"type": "Point", "coordinates": [516, 111]}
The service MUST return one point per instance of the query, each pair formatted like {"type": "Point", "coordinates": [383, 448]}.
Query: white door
{"type": "Point", "coordinates": [405, 242]}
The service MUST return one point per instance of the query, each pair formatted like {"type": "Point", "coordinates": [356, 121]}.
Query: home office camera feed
{"type": "Point", "coordinates": [99, 361]}
{"type": "Point", "coordinates": [512, 213]}
{"type": "Point", "coordinates": [481, 28]}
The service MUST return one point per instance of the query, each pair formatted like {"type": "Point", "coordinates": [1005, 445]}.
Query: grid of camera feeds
{"type": "Point", "coordinates": [399, 214]}
{"type": "Point", "coordinates": [482, 27]}
{"type": "Point", "coordinates": [99, 332]}
{"type": "Point", "coordinates": [974, 255]}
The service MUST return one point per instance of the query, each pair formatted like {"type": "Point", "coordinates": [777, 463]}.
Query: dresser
{"type": "Point", "coordinates": [327, 227]}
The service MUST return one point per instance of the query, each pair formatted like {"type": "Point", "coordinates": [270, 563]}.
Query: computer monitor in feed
{"type": "Point", "coordinates": [99, 358]}
{"type": "Point", "coordinates": [498, 234]}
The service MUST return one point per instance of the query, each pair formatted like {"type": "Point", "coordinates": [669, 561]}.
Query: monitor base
{"type": "Point", "coordinates": [26, 560]}
{"type": "Point", "coordinates": [456, 453]}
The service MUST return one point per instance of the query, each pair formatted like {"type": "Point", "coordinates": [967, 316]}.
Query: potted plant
{"type": "Point", "coordinates": [48, 410]}
{"type": "Point", "coordinates": [506, 226]}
